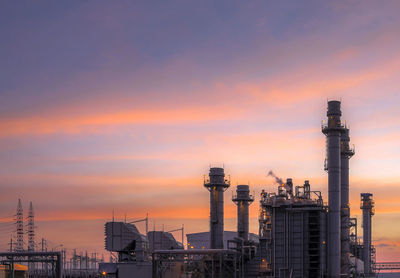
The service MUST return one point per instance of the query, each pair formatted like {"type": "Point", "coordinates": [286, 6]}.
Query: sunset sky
{"type": "Point", "coordinates": [124, 105]}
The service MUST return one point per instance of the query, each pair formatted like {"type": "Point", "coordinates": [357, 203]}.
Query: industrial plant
{"type": "Point", "coordinates": [300, 234]}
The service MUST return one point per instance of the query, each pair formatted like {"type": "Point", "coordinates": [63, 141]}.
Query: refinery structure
{"type": "Point", "coordinates": [300, 234]}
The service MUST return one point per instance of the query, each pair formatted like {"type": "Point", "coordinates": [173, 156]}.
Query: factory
{"type": "Point", "coordinates": [300, 234]}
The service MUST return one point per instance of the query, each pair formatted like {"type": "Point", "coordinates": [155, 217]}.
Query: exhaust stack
{"type": "Point", "coordinates": [345, 155]}
{"type": "Point", "coordinates": [367, 206]}
{"type": "Point", "coordinates": [216, 184]}
{"type": "Point", "coordinates": [243, 199]}
{"type": "Point", "coordinates": [333, 131]}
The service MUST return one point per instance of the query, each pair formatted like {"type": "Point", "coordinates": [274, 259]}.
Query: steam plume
{"type": "Point", "coordinates": [278, 180]}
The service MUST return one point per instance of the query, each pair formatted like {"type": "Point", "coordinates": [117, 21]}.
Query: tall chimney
{"type": "Point", "coordinates": [243, 199]}
{"type": "Point", "coordinates": [367, 206]}
{"type": "Point", "coordinates": [333, 131]}
{"type": "Point", "coordinates": [216, 185]}
{"type": "Point", "coordinates": [345, 155]}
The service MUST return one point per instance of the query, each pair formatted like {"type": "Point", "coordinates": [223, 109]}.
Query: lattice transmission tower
{"type": "Point", "coordinates": [19, 247]}
{"type": "Point", "coordinates": [31, 228]}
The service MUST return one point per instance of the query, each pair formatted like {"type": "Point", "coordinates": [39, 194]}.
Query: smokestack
{"type": "Point", "coordinates": [217, 185]}
{"type": "Point", "coordinates": [367, 206]}
{"type": "Point", "coordinates": [333, 131]}
{"type": "Point", "coordinates": [243, 199]}
{"type": "Point", "coordinates": [345, 155]}
{"type": "Point", "coordinates": [289, 186]}
{"type": "Point", "coordinates": [307, 189]}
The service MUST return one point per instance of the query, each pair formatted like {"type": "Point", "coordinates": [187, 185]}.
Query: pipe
{"type": "Point", "coordinates": [333, 131]}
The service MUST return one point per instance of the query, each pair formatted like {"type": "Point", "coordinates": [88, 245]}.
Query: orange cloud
{"type": "Point", "coordinates": [39, 125]}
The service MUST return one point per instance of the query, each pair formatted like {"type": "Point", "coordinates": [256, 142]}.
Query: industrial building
{"type": "Point", "coordinates": [202, 240]}
{"type": "Point", "coordinates": [300, 235]}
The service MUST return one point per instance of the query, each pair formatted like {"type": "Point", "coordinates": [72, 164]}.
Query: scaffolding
{"type": "Point", "coordinates": [207, 263]}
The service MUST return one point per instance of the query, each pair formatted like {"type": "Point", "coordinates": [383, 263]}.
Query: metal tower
{"type": "Point", "coordinates": [31, 228]}
{"type": "Point", "coordinates": [367, 206]}
{"type": "Point", "coordinates": [345, 154]}
{"type": "Point", "coordinates": [217, 184]}
{"type": "Point", "coordinates": [243, 199]}
{"type": "Point", "coordinates": [333, 131]}
{"type": "Point", "coordinates": [20, 228]}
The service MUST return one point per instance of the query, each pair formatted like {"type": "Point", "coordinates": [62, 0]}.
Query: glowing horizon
{"type": "Point", "coordinates": [123, 106]}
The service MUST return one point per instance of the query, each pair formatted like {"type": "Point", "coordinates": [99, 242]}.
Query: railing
{"type": "Point", "coordinates": [235, 197]}
{"type": "Point", "coordinates": [325, 125]}
{"type": "Point", "coordinates": [387, 266]}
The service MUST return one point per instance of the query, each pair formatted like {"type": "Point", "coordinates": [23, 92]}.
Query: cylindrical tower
{"type": "Point", "coordinates": [333, 131]}
{"type": "Point", "coordinates": [345, 154]}
{"type": "Point", "coordinates": [243, 199]}
{"type": "Point", "coordinates": [367, 206]}
{"type": "Point", "coordinates": [216, 184]}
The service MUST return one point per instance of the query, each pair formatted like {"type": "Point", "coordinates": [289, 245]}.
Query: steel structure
{"type": "Point", "coordinates": [159, 240]}
{"type": "Point", "coordinates": [182, 230]}
{"type": "Point", "coordinates": [367, 206]}
{"type": "Point", "coordinates": [209, 263]}
{"type": "Point", "coordinates": [243, 199]}
{"type": "Point", "coordinates": [126, 239]}
{"type": "Point", "coordinates": [292, 226]}
{"type": "Point", "coordinates": [346, 152]}
{"type": "Point", "coordinates": [53, 258]}
{"type": "Point", "coordinates": [31, 228]}
{"type": "Point", "coordinates": [387, 266]}
{"type": "Point", "coordinates": [216, 185]}
{"type": "Point", "coordinates": [333, 131]}
{"type": "Point", "coordinates": [19, 247]}
{"type": "Point", "coordinates": [299, 235]}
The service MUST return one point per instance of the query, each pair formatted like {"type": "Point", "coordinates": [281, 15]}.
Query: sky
{"type": "Point", "coordinates": [124, 105]}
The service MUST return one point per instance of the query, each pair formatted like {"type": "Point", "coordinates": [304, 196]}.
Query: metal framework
{"type": "Point", "coordinates": [20, 228]}
{"type": "Point", "coordinates": [182, 232]}
{"type": "Point", "coordinates": [142, 220]}
{"type": "Point", "coordinates": [292, 232]}
{"type": "Point", "coordinates": [387, 266]}
{"type": "Point", "coordinates": [31, 228]}
{"type": "Point", "coordinates": [53, 258]}
{"type": "Point", "coordinates": [207, 263]}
